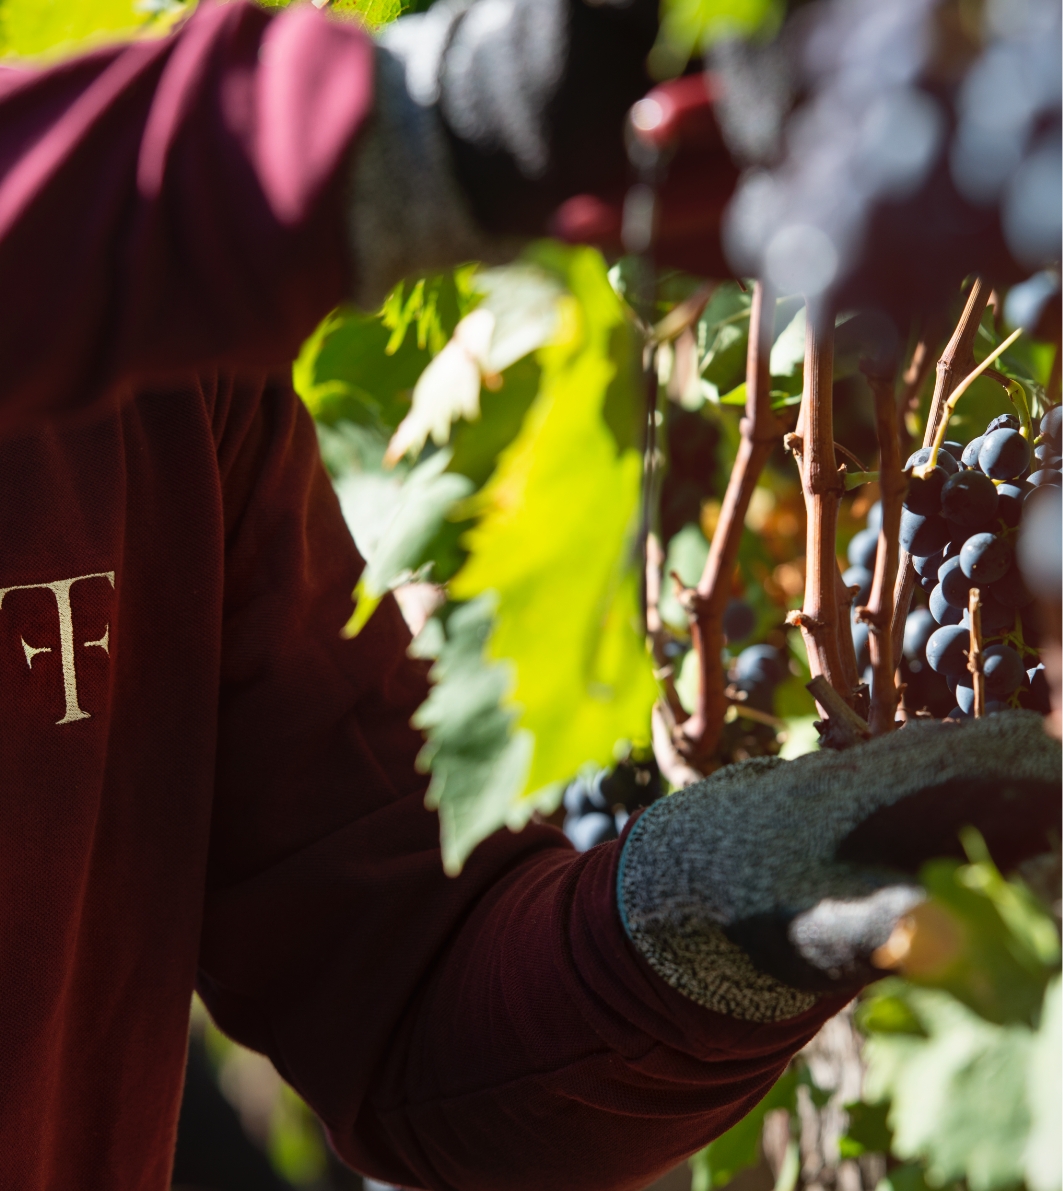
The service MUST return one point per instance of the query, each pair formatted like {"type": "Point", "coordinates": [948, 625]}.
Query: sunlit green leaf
{"type": "Point", "coordinates": [554, 544]}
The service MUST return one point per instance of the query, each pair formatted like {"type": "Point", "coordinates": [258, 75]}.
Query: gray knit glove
{"type": "Point", "coordinates": [772, 882]}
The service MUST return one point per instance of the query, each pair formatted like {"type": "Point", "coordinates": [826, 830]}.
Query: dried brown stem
{"type": "Point", "coordinates": [697, 737]}
{"type": "Point", "coordinates": [974, 652]}
{"type": "Point", "coordinates": [956, 362]}
{"type": "Point", "coordinates": [878, 613]}
{"type": "Point", "coordinates": [842, 727]}
{"type": "Point", "coordinates": [846, 645]}
{"type": "Point", "coordinates": [823, 486]}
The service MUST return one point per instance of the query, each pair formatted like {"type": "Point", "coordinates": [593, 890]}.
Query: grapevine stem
{"type": "Point", "coordinates": [974, 653]}
{"type": "Point", "coordinates": [823, 484]}
{"type": "Point", "coordinates": [878, 613]}
{"type": "Point", "coordinates": [926, 468]}
{"type": "Point", "coordinates": [697, 737]}
{"type": "Point", "coordinates": [956, 360]}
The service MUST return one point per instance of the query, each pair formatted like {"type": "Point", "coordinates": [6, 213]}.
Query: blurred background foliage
{"type": "Point", "coordinates": [483, 429]}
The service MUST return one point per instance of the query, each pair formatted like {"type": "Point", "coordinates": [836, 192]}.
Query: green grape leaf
{"type": "Point", "coordinates": [739, 1148]}
{"type": "Point", "coordinates": [345, 372]}
{"type": "Point", "coordinates": [868, 1131]}
{"type": "Point", "coordinates": [554, 544]}
{"type": "Point", "coordinates": [688, 27]}
{"type": "Point", "coordinates": [29, 28]}
{"type": "Point", "coordinates": [1044, 1090]}
{"type": "Point", "coordinates": [401, 539]}
{"type": "Point", "coordinates": [477, 757]}
{"type": "Point", "coordinates": [958, 1097]}
{"type": "Point", "coordinates": [517, 316]}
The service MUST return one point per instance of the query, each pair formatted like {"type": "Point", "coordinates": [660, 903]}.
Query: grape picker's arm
{"type": "Point", "coordinates": [495, 1030]}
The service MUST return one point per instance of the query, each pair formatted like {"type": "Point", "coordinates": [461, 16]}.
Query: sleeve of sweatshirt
{"type": "Point", "coordinates": [176, 203]}
{"type": "Point", "coordinates": [494, 1030]}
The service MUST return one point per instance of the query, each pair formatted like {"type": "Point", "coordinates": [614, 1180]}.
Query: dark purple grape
{"type": "Point", "coordinates": [997, 619]}
{"type": "Point", "coordinates": [955, 585]}
{"type": "Point", "coordinates": [1003, 670]}
{"type": "Point", "coordinates": [941, 610]}
{"type": "Point", "coordinates": [917, 631]}
{"type": "Point", "coordinates": [957, 713]}
{"type": "Point", "coordinates": [1011, 591]}
{"type": "Point", "coordinates": [861, 634]}
{"type": "Point", "coordinates": [587, 831]}
{"type": "Point", "coordinates": [927, 567]}
{"type": "Point", "coordinates": [1045, 477]}
{"type": "Point", "coordinates": [944, 460]}
{"type": "Point", "coordinates": [863, 547]}
{"type": "Point", "coordinates": [1003, 422]}
{"type": "Point", "coordinates": [739, 620]}
{"type": "Point", "coordinates": [760, 664]}
{"type": "Point", "coordinates": [946, 651]}
{"type": "Point", "coordinates": [1045, 453]}
{"type": "Point", "coordinates": [1009, 504]}
{"type": "Point", "coordinates": [928, 584]}
{"type": "Point", "coordinates": [859, 577]}
{"type": "Point", "coordinates": [922, 535]}
{"type": "Point", "coordinates": [955, 449]}
{"type": "Point", "coordinates": [954, 545]}
{"type": "Point", "coordinates": [985, 558]}
{"type": "Point", "coordinates": [924, 496]}
{"type": "Point", "coordinates": [874, 518]}
{"type": "Point", "coordinates": [1052, 426]}
{"type": "Point", "coordinates": [969, 498]}
{"type": "Point", "coordinates": [1005, 454]}
{"type": "Point", "coordinates": [969, 458]}
{"type": "Point", "coordinates": [965, 699]}
{"type": "Point", "coordinates": [583, 795]}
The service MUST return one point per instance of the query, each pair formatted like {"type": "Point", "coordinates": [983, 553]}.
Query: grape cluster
{"type": "Point", "coordinates": [960, 523]}
{"type": "Point", "coordinates": [597, 806]}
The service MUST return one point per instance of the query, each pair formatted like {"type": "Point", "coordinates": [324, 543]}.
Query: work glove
{"type": "Point", "coordinates": [772, 882]}
{"type": "Point", "coordinates": [488, 115]}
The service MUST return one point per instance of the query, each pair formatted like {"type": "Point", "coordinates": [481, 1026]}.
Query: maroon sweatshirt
{"type": "Point", "coordinates": [203, 784]}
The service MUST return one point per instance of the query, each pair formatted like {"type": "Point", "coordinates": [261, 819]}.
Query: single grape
{"type": "Point", "coordinates": [874, 518]}
{"type": "Point", "coordinates": [1009, 504]}
{"type": "Point", "coordinates": [1010, 590]}
{"type": "Point", "coordinates": [862, 548]}
{"type": "Point", "coordinates": [955, 449]}
{"type": "Point", "coordinates": [1052, 426]}
{"type": "Point", "coordinates": [941, 610]}
{"type": "Point", "coordinates": [760, 664]}
{"type": "Point", "coordinates": [929, 583]}
{"type": "Point", "coordinates": [917, 631]}
{"type": "Point", "coordinates": [985, 558]}
{"type": "Point", "coordinates": [969, 458]}
{"type": "Point", "coordinates": [1003, 670]}
{"type": "Point", "coordinates": [923, 535]}
{"type": "Point", "coordinates": [583, 795]}
{"type": "Point", "coordinates": [1045, 452]}
{"type": "Point", "coordinates": [587, 831]}
{"type": "Point", "coordinates": [1045, 477]}
{"type": "Point", "coordinates": [926, 566]}
{"type": "Point", "coordinates": [739, 620]}
{"type": "Point", "coordinates": [965, 699]}
{"type": "Point", "coordinates": [955, 585]}
{"type": "Point", "coordinates": [955, 543]}
{"type": "Point", "coordinates": [1003, 422]}
{"type": "Point", "coordinates": [859, 577]}
{"type": "Point", "coordinates": [969, 498]}
{"type": "Point", "coordinates": [944, 460]}
{"type": "Point", "coordinates": [957, 713]}
{"type": "Point", "coordinates": [861, 634]}
{"type": "Point", "coordinates": [924, 495]}
{"type": "Point", "coordinates": [996, 617]}
{"type": "Point", "coordinates": [1005, 454]}
{"type": "Point", "coordinates": [946, 651]}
